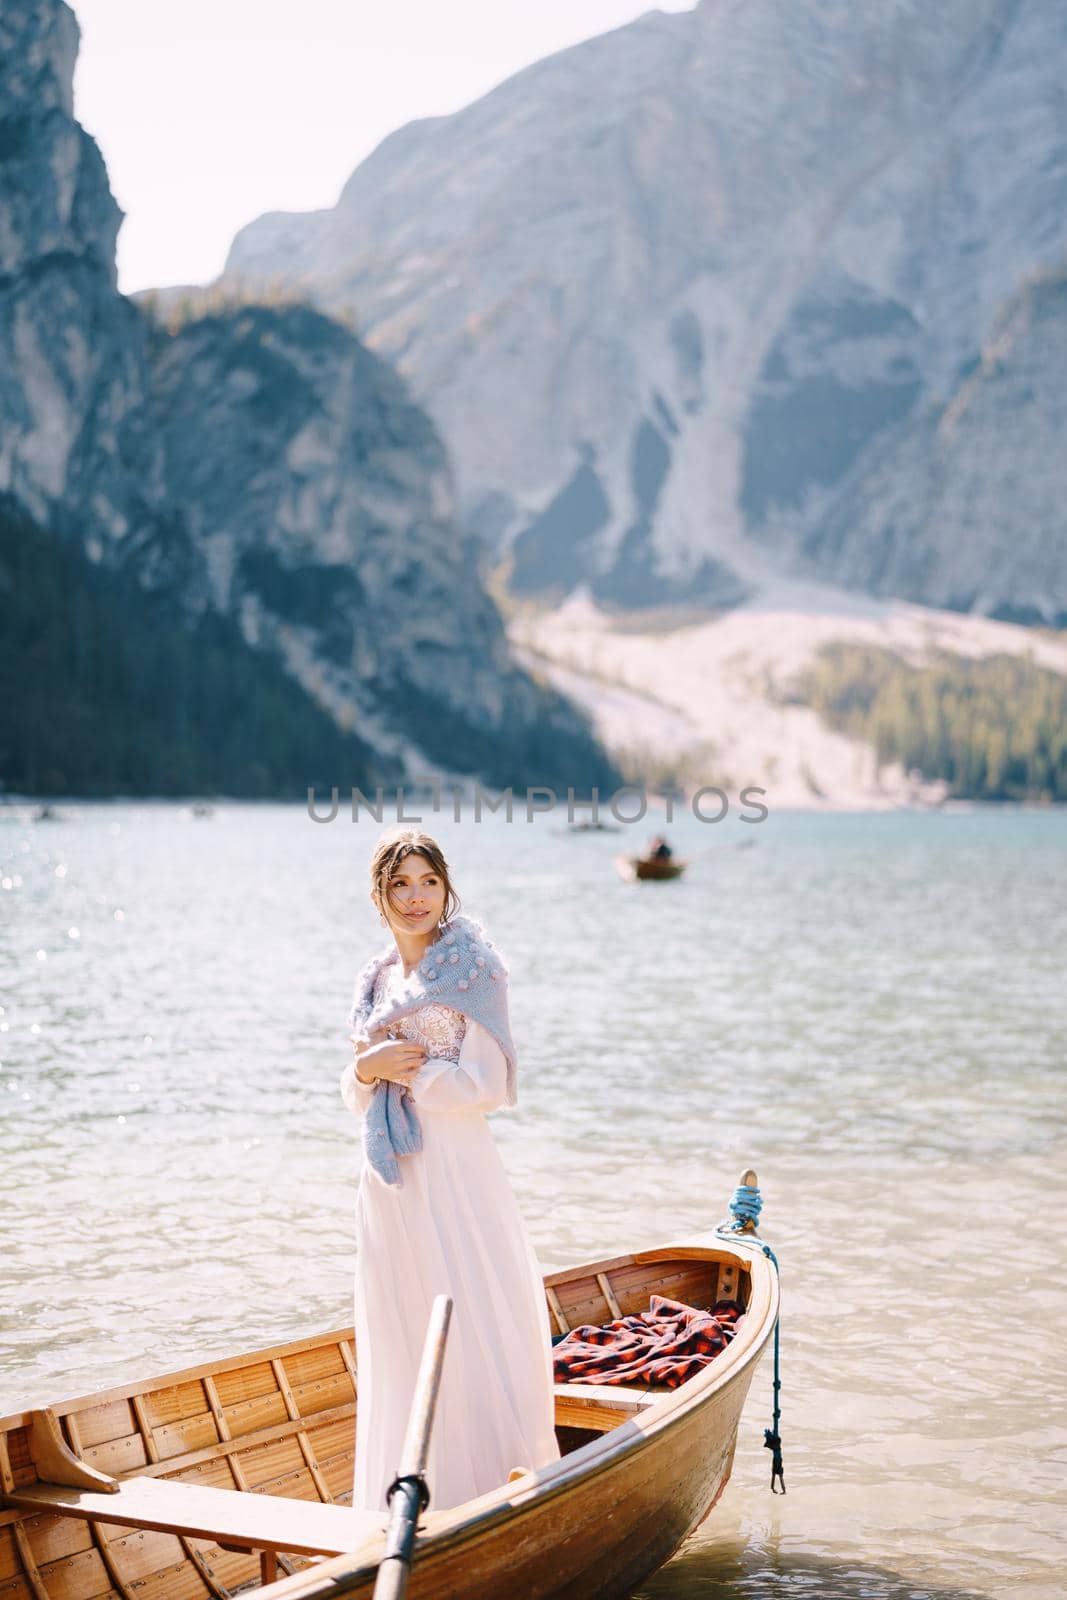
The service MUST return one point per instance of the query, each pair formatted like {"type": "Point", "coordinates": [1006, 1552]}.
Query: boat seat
{"type": "Point", "coordinates": [602, 1405]}
{"type": "Point", "coordinates": [231, 1516]}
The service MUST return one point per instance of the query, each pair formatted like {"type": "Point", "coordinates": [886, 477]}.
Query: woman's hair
{"type": "Point", "coordinates": [390, 851]}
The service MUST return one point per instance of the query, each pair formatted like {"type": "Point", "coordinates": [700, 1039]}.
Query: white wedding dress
{"type": "Point", "coordinates": [454, 1227]}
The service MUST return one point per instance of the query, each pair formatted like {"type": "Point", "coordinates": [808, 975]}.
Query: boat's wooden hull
{"type": "Point", "coordinates": [642, 1472]}
{"type": "Point", "coordinates": [594, 1540]}
{"type": "Point", "coordinates": [638, 868]}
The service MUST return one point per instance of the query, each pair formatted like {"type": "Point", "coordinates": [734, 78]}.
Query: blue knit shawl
{"type": "Point", "coordinates": [461, 969]}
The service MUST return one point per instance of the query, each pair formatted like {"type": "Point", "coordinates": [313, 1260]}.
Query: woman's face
{"type": "Point", "coordinates": [414, 896]}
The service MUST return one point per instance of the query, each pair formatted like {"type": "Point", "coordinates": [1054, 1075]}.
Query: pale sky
{"type": "Point", "coordinates": [209, 112]}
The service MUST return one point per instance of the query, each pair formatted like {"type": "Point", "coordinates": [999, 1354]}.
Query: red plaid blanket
{"type": "Point", "coordinates": [666, 1344]}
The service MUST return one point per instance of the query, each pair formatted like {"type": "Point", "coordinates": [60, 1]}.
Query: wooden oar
{"type": "Point", "coordinates": [408, 1495]}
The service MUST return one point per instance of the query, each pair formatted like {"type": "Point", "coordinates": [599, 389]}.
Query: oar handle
{"type": "Point", "coordinates": [408, 1494]}
{"type": "Point", "coordinates": [420, 1420]}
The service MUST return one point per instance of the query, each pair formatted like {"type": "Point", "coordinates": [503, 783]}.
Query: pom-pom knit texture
{"type": "Point", "coordinates": [461, 969]}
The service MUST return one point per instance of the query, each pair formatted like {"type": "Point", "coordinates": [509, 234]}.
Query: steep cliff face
{"type": "Point", "coordinates": [72, 356]}
{"type": "Point", "coordinates": [967, 498]}
{"type": "Point", "coordinates": [320, 499]}
{"type": "Point", "coordinates": [675, 295]}
{"type": "Point", "coordinates": [258, 463]}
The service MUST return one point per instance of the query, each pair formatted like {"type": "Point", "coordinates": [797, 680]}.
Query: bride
{"type": "Point", "coordinates": [435, 1212]}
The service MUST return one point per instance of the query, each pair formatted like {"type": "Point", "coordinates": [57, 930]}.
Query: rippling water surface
{"type": "Point", "coordinates": [869, 1009]}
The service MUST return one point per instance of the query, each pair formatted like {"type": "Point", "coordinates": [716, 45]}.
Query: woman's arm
{"type": "Point", "coordinates": [356, 1094]}
{"type": "Point", "coordinates": [477, 1082]}
{"type": "Point", "coordinates": [388, 1058]}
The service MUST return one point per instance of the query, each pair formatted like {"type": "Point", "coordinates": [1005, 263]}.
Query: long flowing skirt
{"type": "Point", "coordinates": [454, 1228]}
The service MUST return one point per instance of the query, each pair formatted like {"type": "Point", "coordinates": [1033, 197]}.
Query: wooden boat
{"type": "Point", "coordinates": [237, 1474]}
{"type": "Point", "coordinates": [632, 868]}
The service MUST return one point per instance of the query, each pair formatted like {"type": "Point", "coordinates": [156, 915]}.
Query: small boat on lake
{"type": "Point", "coordinates": [635, 868]}
{"type": "Point", "coordinates": [236, 1475]}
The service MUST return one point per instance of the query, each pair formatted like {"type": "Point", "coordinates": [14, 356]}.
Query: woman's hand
{"type": "Point", "coordinates": [379, 1056]}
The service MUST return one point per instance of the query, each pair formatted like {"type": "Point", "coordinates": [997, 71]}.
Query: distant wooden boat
{"type": "Point", "coordinates": [632, 868]}
{"type": "Point", "coordinates": [237, 1474]}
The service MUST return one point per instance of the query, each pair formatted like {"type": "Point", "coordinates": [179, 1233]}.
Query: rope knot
{"type": "Point", "coordinates": [773, 1443]}
{"type": "Point", "coordinates": [746, 1203]}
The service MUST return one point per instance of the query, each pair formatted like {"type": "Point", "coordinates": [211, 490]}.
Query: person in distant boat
{"type": "Point", "coordinates": [659, 849]}
{"type": "Point", "coordinates": [435, 1212]}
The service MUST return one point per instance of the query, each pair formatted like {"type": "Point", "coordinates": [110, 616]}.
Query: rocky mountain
{"type": "Point", "coordinates": [257, 464]}
{"type": "Point", "coordinates": [319, 499]}
{"type": "Point", "coordinates": [734, 294]}
{"type": "Point", "coordinates": [72, 357]}
{"type": "Point", "coordinates": [940, 704]}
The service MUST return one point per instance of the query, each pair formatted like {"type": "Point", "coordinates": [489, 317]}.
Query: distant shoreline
{"type": "Point", "coordinates": [18, 803]}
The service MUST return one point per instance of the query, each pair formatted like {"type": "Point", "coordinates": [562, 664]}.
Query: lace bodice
{"type": "Point", "coordinates": [437, 1028]}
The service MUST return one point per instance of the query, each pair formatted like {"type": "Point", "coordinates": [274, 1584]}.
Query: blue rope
{"type": "Point", "coordinates": [746, 1204]}
{"type": "Point", "coordinates": [745, 1207]}
{"type": "Point", "coordinates": [772, 1439]}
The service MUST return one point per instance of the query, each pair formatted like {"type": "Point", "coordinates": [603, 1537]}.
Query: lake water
{"type": "Point", "coordinates": [869, 1009]}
